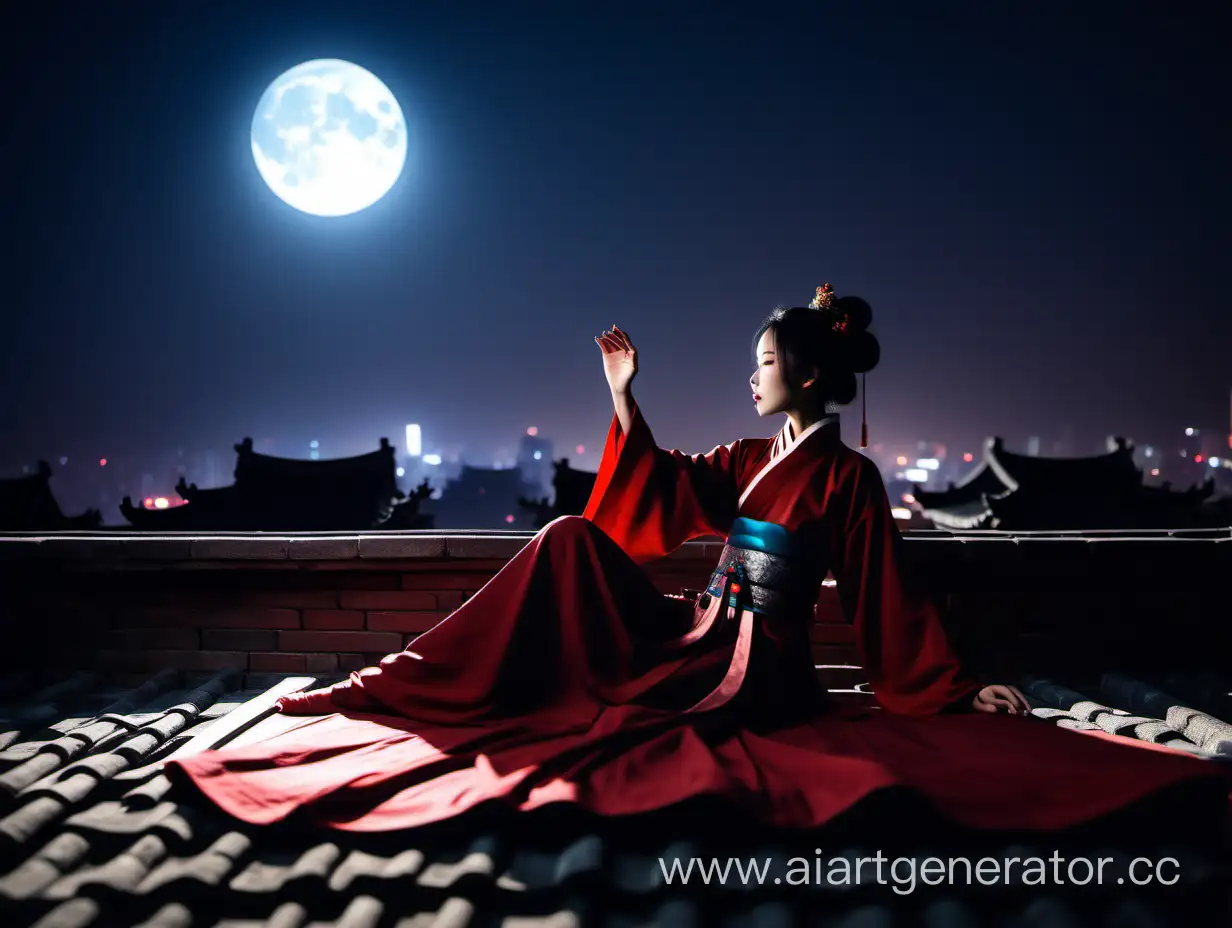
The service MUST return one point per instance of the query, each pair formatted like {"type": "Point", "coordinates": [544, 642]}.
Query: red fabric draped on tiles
{"type": "Point", "coordinates": [570, 678]}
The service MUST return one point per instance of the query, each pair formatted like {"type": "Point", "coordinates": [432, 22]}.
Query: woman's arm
{"type": "Point", "coordinates": [651, 500]}
{"type": "Point", "coordinates": [624, 403]}
{"type": "Point", "coordinates": [903, 645]}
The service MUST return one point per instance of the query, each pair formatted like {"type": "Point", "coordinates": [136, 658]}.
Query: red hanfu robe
{"type": "Point", "coordinates": [570, 678]}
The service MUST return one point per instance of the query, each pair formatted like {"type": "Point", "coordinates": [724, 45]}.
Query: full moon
{"type": "Point", "coordinates": [328, 137]}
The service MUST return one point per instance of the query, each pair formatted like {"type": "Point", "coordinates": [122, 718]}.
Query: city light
{"type": "Point", "coordinates": [581, 449]}
{"type": "Point", "coordinates": [1197, 459]}
{"type": "Point", "coordinates": [1191, 431]}
{"type": "Point", "coordinates": [315, 455]}
{"type": "Point", "coordinates": [102, 462]}
{"type": "Point", "coordinates": [532, 431]}
{"type": "Point", "coordinates": [928, 463]}
{"type": "Point", "coordinates": [63, 461]}
{"type": "Point", "coordinates": [968, 457]}
{"type": "Point", "coordinates": [900, 513]}
{"type": "Point", "coordinates": [161, 502]}
{"type": "Point", "coordinates": [901, 460]}
{"type": "Point", "coordinates": [509, 518]}
{"type": "Point", "coordinates": [1149, 452]}
{"type": "Point", "coordinates": [433, 459]}
{"type": "Point", "coordinates": [401, 472]}
{"type": "Point", "coordinates": [314, 444]}
{"type": "Point", "coordinates": [1214, 462]}
{"type": "Point", "coordinates": [414, 440]}
{"type": "Point", "coordinates": [908, 498]}
{"type": "Point", "coordinates": [538, 455]}
{"type": "Point", "coordinates": [917, 475]}
{"type": "Point", "coordinates": [1155, 472]}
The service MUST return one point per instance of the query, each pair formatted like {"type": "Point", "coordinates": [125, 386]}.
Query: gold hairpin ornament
{"type": "Point", "coordinates": [824, 300]}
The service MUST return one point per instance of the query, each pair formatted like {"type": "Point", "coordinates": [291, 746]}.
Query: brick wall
{"type": "Point", "coordinates": [261, 620]}
{"type": "Point", "coordinates": [309, 627]}
{"type": "Point", "coordinates": [224, 605]}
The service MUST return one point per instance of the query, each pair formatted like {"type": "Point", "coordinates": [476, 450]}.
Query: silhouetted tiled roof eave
{"type": "Point", "coordinates": [1097, 473]}
{"type": "Point", "coordinates": [983, 479]}
{"type": "Point", "coordinates": [27, 503]}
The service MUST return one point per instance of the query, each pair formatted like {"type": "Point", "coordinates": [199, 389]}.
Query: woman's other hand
{"type": "Point", "coordinates": [619, 359]}
{"type": "Point", "coordinates": [1001, 698]}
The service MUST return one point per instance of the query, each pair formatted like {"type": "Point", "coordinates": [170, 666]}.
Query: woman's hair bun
{"type": "Point", "coordinates": [856, 346]}
{"type": "Point", "coordinates": [832, 337]}
{"type": "Point", "coordinates": [854, 312]}
{"type": "Point", "coordinates": [861, 352]}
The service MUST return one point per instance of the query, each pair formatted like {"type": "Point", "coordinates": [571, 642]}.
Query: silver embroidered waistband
{"type": "Point", "coordinates": [772, 583]}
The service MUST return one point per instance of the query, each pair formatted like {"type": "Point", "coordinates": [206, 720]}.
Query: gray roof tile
{"type": "Point", "coordinates": [91, 835]}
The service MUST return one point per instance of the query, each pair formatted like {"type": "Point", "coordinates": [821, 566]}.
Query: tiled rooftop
{"type": "Point", "coordinates": [173, 637]}
{"type": "Point", "coordinates": [90, 835]}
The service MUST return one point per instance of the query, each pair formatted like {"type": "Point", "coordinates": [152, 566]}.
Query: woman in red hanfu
{"type": "Point", "coordinates": [569, 678]}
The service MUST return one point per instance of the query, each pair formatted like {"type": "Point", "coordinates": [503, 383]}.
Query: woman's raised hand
{"type": "Point", "coordinates": [619, 359]}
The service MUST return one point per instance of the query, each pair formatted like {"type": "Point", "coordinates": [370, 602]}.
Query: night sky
{"type": "Point", "coordinates": [1035, 204]}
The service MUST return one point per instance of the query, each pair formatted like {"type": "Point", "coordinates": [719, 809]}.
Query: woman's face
{"type": "Point", "coordinates": [771, 393]}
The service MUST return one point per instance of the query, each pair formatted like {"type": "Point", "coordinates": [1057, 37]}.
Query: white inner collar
{"type": "Point", "coordinates": [789, 442]}
{"type": "Point", "coordinates": [782, 447]}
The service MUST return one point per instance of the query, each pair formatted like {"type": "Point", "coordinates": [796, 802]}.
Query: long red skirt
{"type": "Point", "coordinates": [553, 684]}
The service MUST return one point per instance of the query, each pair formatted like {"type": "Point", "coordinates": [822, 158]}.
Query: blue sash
{"type": "Point", "coordinates": [767, 569]}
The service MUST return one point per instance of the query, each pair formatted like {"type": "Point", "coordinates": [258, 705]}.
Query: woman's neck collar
{"type": "Point", "coordinates": [796, 430]}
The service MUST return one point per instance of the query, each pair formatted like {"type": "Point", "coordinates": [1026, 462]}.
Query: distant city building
{"type": "Point", "coordinates": [535, 461]}
{"type": "Point", "coordinates": [572, 492]}
{"type": "Point", "coordinates": [483, 498]}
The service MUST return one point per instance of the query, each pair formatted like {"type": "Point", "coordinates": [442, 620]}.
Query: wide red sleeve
{"type": "Point", "coordinates": [651, 500]}
{"type": "Point", "coordinates": [902, 642]}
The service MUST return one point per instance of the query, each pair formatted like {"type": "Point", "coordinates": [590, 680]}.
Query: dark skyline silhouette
{"type": "Point", "coordinates": [1034, 203]}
